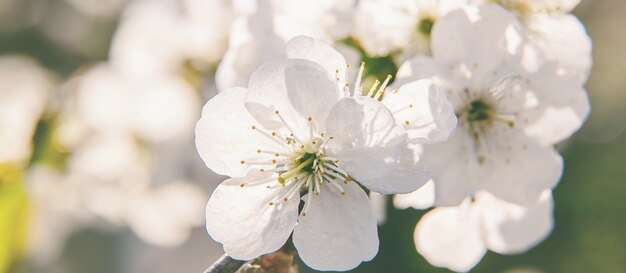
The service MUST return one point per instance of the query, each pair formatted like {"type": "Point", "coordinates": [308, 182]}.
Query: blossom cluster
{"type": "Point", "coordinates": [315, 111]}
{"type": "Point", "coordinates": [482, 94]}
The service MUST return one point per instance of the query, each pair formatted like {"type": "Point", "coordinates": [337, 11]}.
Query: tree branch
{"type": "Point", "coordinates": [225, 264]}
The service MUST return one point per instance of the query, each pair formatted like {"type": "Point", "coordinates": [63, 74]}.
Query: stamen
{"type": "Point", "coordinates": [310, 121]}
{"type": "Point", "coordinates": [380, 90]}
{"type": "Point", "coordinates": [266, 163]}
{"type": "Point", "coordinates": [318, 183]}
{"type": "Point", "coordinates": [291, 132]}
{"type": "Point", "coordinates": [334, 168]}
{"type": "Point", "coordinates": [358, 87]}
{"type": "Point", "coordinates": [271, 152]}
{"type": "Point", "coordinates": [309, 184]}
{"type": "Point", "coordinates": [332, 182]}
{"type": "Point", "coordinates": [372, 90]}
{"type": "Point", "coordinates": [334, 175]}
{"type": "Point", "coordinates": [271, 137]}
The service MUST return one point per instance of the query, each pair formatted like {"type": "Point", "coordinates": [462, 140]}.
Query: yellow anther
{"type": "Point", "coordinates": [258, 151]}
{"type": "Point", "coordinates": [271, 203]}
{"type": "Point", "coordinates": [310, 119]}
{"type": "Point", "coordinates": [407, 122]}
{"type": "Point", "coordinates": [242, 162]}
{"type": "Point", "coordinates": [253, 127]}
{"type": "Point", "coordinates": [241, 185]}
{"type": "Point", "coordinates": [273, 133]}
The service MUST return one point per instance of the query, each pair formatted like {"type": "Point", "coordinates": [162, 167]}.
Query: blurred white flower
{"type": "Point", "coordinates": [458, 237]}
{"type": "Point", "coordinates": [508, 119]}
{"type": "Point", "coordinates": [25, 88]}
{"type": "Point", "coordinates": [55, 212]}
{"type": "Point", "coordinates": [299, 127]}
{"type": "Point", "coordinates": [261, 35]}
{"type": "Point", "coordinates": [422, 198]}
{"type": "Point", "coordinates": [399, 27]}
{"type": "Point", "coordinates": [154, 108]}
{"type": "Point", "coordinates": [131, 159]}
{"type": "Point", "coordinates": [156, 37]}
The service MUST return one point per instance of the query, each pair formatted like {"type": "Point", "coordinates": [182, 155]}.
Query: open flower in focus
{"type": "Point", "coordinates": [299, 128]}
{"type": "Point", "coordinates": [509, 118]}
{"type": "Point", "coordinates": [458, 237]}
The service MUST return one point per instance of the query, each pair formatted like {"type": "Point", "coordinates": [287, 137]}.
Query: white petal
{"type": "Point", "coordinates": [246, 52]}
{"type": "Point", "coordinates": [339, 231]}
{"type": "Point", "coordinates": [510, 228]}
{"type": "Point", "coordinates": [423, 110]}
{"type": "Point", "coordinates": [480, 37]}
{"type": "Point", "coordinates": [169, 108]}
{"type": "Point", "coordinates": [440, 72]}
{"type": "Point", "coordinates": [243, 221]}
{"type": "Point", "coordinates": [538, 6]}
{"type": "Point", "coordinates": [302, 47]}
{"type": "Point", "coordinates": [379, 204]}
{"type": "Point", "coordinates": [453, 171]}
{"type": "Point", "coordinates": [366, 140]}
{"type": "Point", "coordinates": [564, 106]}
{"type": "Point", "coordinates": [166, 216]}
{"type": "Point", "coordinates": [450, 237]}
{"type": "Point", "coordinates": [224, 134]}
{"type": "Point", "coordinates": [422, 198]}
{"type": "Point", "coordinates": [561, 38]}
{"type": "Point", "coordinates": [519, 169]}
{"type": "Point", "coordinates": [384, 26]}
{"type": "Point", "coordinates": [25, 89]}
{"type": "Point", "coordinates": [409, 175]}
{"type": "Point", "coordinates": [297, 88]}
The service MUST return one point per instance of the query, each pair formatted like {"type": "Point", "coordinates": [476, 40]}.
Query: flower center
{"type": "Point", "coordinates": [479, 112]}
{"type": "Point", "coordinates": [425, 26]}
{"type": "Point", "coordinates": [307, 161]}
{"type": "Point", "coordinates": [300, 164]}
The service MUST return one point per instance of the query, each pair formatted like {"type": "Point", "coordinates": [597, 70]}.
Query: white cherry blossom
{"type": "Point", "coordinates": [553, 34]}
{"type": "Point", "coordinates": [299, 127]}
{"type": "Point", "coordinates": [508, 118]}
{"type": "Point", "coordinates": [399, 27]}
{"type": "Point", "coordinates": [261, 35]}
{"type": "Point", "coordinates": [458, 237]}
{"type": "Point", "coordinates": [156, 37]}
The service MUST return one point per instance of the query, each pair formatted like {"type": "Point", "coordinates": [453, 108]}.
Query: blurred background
{"type": "Point", "coordinates": [108, 180]}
